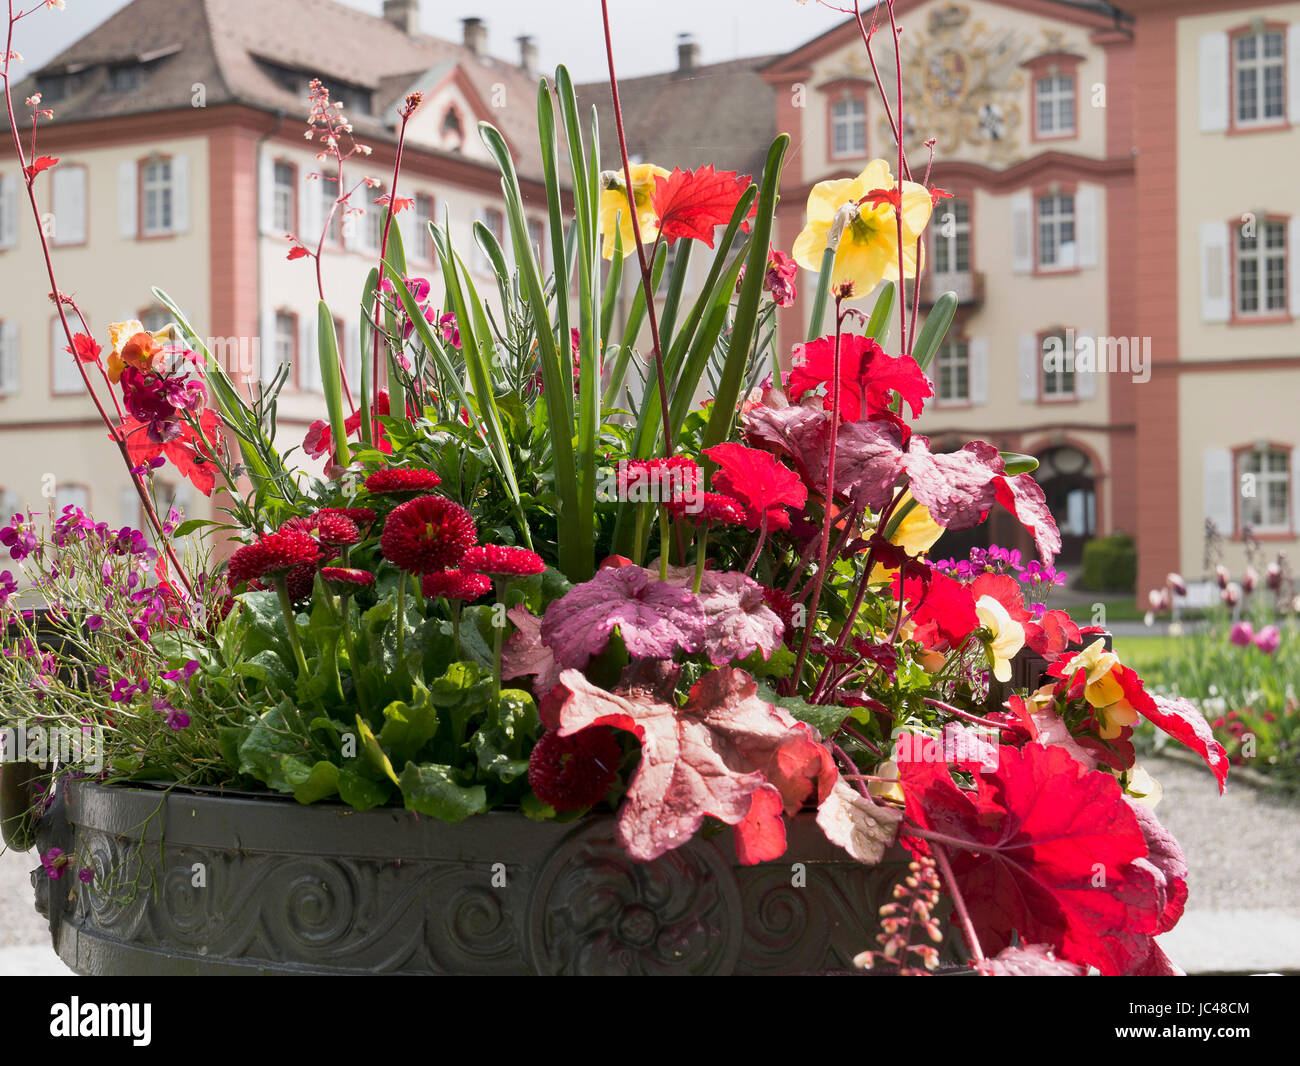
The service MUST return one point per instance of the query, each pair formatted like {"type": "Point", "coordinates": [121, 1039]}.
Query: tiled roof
{"type": "Point", "coordinates": [230, 46]}
{"type": "Point", "coordinates": [720, 113]}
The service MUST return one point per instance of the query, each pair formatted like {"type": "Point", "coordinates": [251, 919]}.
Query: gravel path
{"type": "Point", "coordinates": [1243, 911]}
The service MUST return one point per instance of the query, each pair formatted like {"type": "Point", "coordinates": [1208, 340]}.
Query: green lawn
{"type": "Point", "coordinates": [1141, 653]}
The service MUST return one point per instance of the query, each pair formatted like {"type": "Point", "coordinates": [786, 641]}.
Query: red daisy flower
{"type": "Point", "coordinates": [245, 565]}
{"type": "Point", "coordinates": [502, 561]}
{"type": "Point", "coordinates": [401, 481]}
{"type": "Point", "coordinates": [274, 553]}
{"type": "Point", "coordinates": [569, 773]}
{"type": "Point", "coordinates": [336, 530]}
{"type": "Point", "coordinates": [657, 480]}
{"type": "Point", "coordinates": [346, 579]}
{"type": "Point", "coordinates": [360, 516]}
{"type": "Point", "coordinates": [712, 507]}
{"type": "Point", "coordinates": [301, 581]}
{"type": "Point", "coordinates": [426, 534]}
{"type": "Point", "coordinates": [455, 584]}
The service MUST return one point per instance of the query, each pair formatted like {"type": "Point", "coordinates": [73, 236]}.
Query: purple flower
{"type": "Point", "coordinates": [94, 623]}
{"type": "Point", "coordinates": [1242, 634]}
{"type": "Point", "coordinates": [176, 720]}
{"type": "Point", "coordinates": [54, 861]}
{"type": "Point", "coordinates": [8, 586]}
{"type": "Point", "coordinates": [86, 874]}
{"type": "Point", "coordinates": [19, 539]}
{"type": "Point", "coordinates": [1268, 639]}
{"type": "Point", "coordinates": [182, 673]}
{"type": "Point", "coordinates": [101, 675]}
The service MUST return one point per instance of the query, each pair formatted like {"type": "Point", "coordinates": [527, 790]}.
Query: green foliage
{"type": "Point", "coordinates": [1110, 564]}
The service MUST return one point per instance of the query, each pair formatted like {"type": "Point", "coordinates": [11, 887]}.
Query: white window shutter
{"type": "Point", "coordinates": [977, 350]}
{"type": "Point", "coordinates": [1293, 257]}
{"type": "Point", "coordinates": [8, 210]}
{"type": "Point", "coordinates": [66, 377]}
{"type": "Point", "coordinates": [10, 359]}
{"type": "Point", "coordinates": [351, 342]}
{"type": "Point", "coordinates": [180, 193]}
{"type": "Point", "coordinates": [308, 358]}
{"type": "Point", "coordinates": [1085, 225]}
{"type": "Point", "coordinates": [1293, 75]}
{"type": "Point", "coordinates": [10, 504]}
{"type": "Point", "coordinates": [269, 365]}
{"type": "Point", "coordinates": [1029, 361]}
{"type": "Point", "coordinates": [1022, 233]}
{"type": "Point", "coordinates": [1219, 489]}
{"type": "Point", "coordinates": [310, 217]}
{"type": "Point", "coordinates": [1085, 381]}
{"type": "Point", "coordinates": [1216, 283]}
{"type": "Point", "coordinates": [129, 508]}
{"type": "Point", "coordinates": [266, 194]}
{"type": "Point", "coordinates": [128, 200]}
{"type": "Point", "coordinates": [1294, 460]}
{"type": "Point", "coordinates": [1214, 80]}
{"type": "Point", "coordinates": [69, 188]}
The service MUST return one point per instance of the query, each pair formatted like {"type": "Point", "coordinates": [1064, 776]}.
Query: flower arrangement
{"type": "Point", "coordinates": [533, 577]}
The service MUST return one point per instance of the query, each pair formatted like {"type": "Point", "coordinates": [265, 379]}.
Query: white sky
{"type": "Point", "coordinates": [566, 31]}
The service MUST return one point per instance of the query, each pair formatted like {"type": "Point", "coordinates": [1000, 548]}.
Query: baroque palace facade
{"type": "Point", "coordinates": [1123, 187]}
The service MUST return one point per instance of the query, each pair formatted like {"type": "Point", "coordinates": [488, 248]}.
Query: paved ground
{"type": "Point", "coordinates": [1243, 912]}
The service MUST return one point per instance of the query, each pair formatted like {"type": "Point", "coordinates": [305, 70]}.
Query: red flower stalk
{"type": "Point", "coordinates": [569, 773]}
{"type": "Point", "coordinates": [401, 481]}
{"type": "Point", "coordinates": [455, 585]}
{"type": "Point", "coordinates": [426, 534]}
{"type": "Point", "coordinates": [500, 560]}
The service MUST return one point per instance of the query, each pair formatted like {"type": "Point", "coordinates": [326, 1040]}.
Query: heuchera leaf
{"type": "Point", "coordinates": [39, 164]}
{"type": "Point", "coordinates": [1036, 960]}
{"type": "Point", "coordinates": [726, 754]}
{"type": "Point", "coordinates": [525, 654]}
{"type": "Point", "coordinates": [1050, 856]}
{"type": "Point", "coordinates": [738, 621]}
{"type": "Point", "coordinates": [860, 826]}
{"type": "Point", "coordinates": [654, 618]}
{"type": "Point", "coordinates": [1024, 498]}
{"type": "Point", "coordinates": [693, 203]}
{"type": "Point", "coordinates": [190, 455]}
{"type": "Point", "coordinates": [868, 377]}
{"type": "Point", "coordinates": [1180, 719]}
{"type": "Point", "coordinates": [957, 486]}
{"type": "Point", "coordinates": [758, 481]}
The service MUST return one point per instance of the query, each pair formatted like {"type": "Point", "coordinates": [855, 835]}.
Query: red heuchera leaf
{"type": "Point", "coordinates": [957, 486]}
{"type": "Point", "coordinates": [738, 619]}
{"type": "Point", "coordinates": [868, 377]}
{"type": "Point", "coordinates": [1036, 960]}
{"type": "Point", "coordinates": [1180, 719]}
{"type": "Point", "coordinates": [1050, 856]}
{"type": "Point", "coordinates": [860, 826]}
{"type": "Point", "coordinates": [41, 163]}
{"type": "Point", "coordinates": [190, 455]}
{"type": "Point", "coordinates": [759, 482]}
{"type": "Point", "coordinates": [524, 653]}
{"type": "Point", "coordinates": [725, 754]}
{"type": "Point", "coordinates": [86, 349]}
{"type": "Point", "coordinates": [868, 454]}
{"type": "Point", "coordinates": [946, 612]}
{"type": "Point", "coordinates": [1166, 859]}
{"type": "Point", "coordinates": [297, 252]}
{"type": "Point", "coordinates": [1023, 497]}
{"type": "Point", "coordinates": [692, 203]}
{"type": "Point", "coordinates": [654, 618]}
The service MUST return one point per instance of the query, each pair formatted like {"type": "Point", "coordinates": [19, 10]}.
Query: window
{"type": "Point", "coordinates": [9, 353]}
{"type": "Point", "coordinates": [1259, 85]}
{"type": "Point", "coordinates": [1058, 367]}
{"type": "Point", "coordinates": [285, 197]}
{"type": "Point", "coordinates": [1054, 105]}
{"type": "Point", "coordinates": [952, 372]}
{"type": "Point", "coordinates": [155, 319]}
{"type": "Point", "coordinates": [951, 238]}
{"type": "Point", "coordinates": [1262, 269]}
{"type": "Point", "coordinates": [453, 132]}
{"type": "Point", "coordinates": [65, 377]}
{"type": "Point", "coordinates": [71, 496]}
{"type": "Point", "coordinates": [495, 221]}
{"type": "Point", "coordinates": [124, 79]}
{"type": "Point", "coordinates": [848, 128]}
{"type": "Point", "coordinates": [1268, 471]}
{"type": "Point", "coordinates": [375, 217]}
{"type": "Point", "coordinates": [156, 196]}
{"type": "Point", "coordinates": [329, 194]}
{"type": "Point", "coordinates": [285, 349]}
{"type": "Point", "coordinates": [423, 250]}
{"type": "Point", "coordinates": [1056, 249]}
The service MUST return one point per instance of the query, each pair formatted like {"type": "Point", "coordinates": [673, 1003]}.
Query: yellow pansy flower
{"type": "Point", "coordinates": [1102, 688]}
{"type": "Point", "coordinates": [614, 207]}
{"type": "Point", "coordinates": [868, 249]}
{"type": "Point", "coordinates": [1006, 635]}
{"type": "Point", "coordinates": [890, 788]}
{"type": "Point", "coordinates": [916, 534]}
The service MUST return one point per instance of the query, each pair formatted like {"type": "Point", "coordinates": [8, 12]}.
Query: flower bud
{"type": "Point", "coordinates": [1273, 577]}
{"type": "Point", "coordinates": [1222, 576]}
{"type": "Point", "coordinates": [1249, 580]}
{"type": "Point", "coordinates": [1231, 595]}
{"type": "Point", "coordinates": [1176, 584]}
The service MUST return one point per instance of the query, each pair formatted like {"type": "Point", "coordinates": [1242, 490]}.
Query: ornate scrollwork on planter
{"type": "Point", "coordinates": [595, 911]}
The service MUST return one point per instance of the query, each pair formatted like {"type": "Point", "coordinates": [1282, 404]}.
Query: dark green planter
{"type": "Point", "coordinates": [327, 890]}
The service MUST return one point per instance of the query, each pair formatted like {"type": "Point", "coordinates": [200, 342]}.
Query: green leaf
{"type": "Point", "coordinates": [361, 793]}
{"type": "Point", "coordinates": [432, 789]}
{"type": "Point", "coordinates": [331, 379]}
{"type": "Point", "coordinates": [931, 334]}
{"type": "Point", "coordinates": [1019, 463]}
{"type": "Point", "coordinates": [311, 783]}
{"type": "Point", "coordinates": [822, 296]}
{"type": "Point", "coordinates": [878, 324]}
{"type": "Point", "coordinates": [499, 745]}
{"type": "Point", "coordinates": [408, 726]}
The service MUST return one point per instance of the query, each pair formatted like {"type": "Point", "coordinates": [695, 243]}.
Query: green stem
{"type": "Point", "coordinates": [663, 544]}
{"type": "Point", "coordinates": [345, 603]}
{"type": "Point", "coordinates": [455, 625]}
{"type": "Point", "coordinates": [700, 557]}
{"type": "Point", "coordinates": [401, 622]}
{"type": "Point", "coordinates": [497, 631]}
{"type": "Point", "coordinates": [281, 582]}
{"type": "Point", "coordinates": [638, 553]}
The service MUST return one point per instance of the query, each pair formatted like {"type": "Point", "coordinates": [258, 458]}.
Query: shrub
{"type": "Point", "coordinates": [1110, 564]}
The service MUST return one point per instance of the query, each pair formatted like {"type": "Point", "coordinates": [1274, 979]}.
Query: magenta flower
{"type": "Point", "coordinates": [176, 719]}
{"type": "Point", "coordinates": [1268, 639]}
{"type": "Point", "coordinates": [1242, 634]}
{"type": "Point", "coordinates": [8, 586]}
{"type": "Point", "coordinates": [86, 874]}
{"type": "Point", "coordinates": [54, 861]}
{"type": "Point", "coordinates": [18, 538]}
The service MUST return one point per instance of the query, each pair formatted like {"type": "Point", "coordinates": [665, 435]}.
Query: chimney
{"type": "Point", "coordinates": [528, 56]}
{"type": "Point", "coordinates": [688, 52]}
{"type": "Point", "coordinates": [476, 36]}
{"type": "Point", "coordinates": [404, 14]}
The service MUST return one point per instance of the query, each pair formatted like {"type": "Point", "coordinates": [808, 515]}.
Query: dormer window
{"type": "Point", "coordinates": [453, 132]}
{"type": "Point", "coordinates": [125, 78]}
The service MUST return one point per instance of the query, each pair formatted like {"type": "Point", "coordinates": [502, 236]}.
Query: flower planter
{"type": "Point", "coordinates": [241, 884]}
